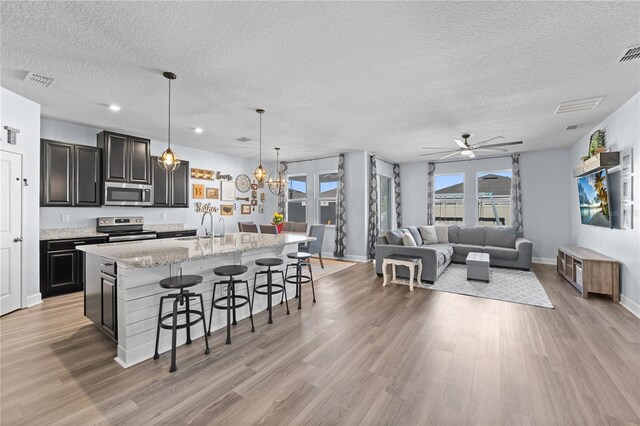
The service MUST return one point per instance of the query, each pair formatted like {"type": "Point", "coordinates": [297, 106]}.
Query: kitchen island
{"type": "Point", "coordinates": [122, 293]}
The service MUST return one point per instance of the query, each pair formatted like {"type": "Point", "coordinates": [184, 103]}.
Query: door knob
{"type": "Point", "coordinates": [18, 239]}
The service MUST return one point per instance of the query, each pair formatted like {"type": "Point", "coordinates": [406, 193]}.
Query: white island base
{"type": "Point", "coordinates": [138, 292]}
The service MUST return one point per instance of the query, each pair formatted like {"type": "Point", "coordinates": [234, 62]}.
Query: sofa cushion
{"type": "Point", "coordinates": [394, 237]}
{"type": "Point", "coordinates": [428, 234]}
{"type": "Point", "coordinates": [453, 234]}
{"type": "Point", "coordinates": [442, 231]}
{"type": "Point", "coordinates": [415, 234]}
{"type": "Point", "coordinates": [381, 239]}
{"type": "Point", "coordinates": [445, 251]}
{"type": "Point", "coordinates": [465, 249]}
{"type": "Point", "coordinates": [501, 252]}
{"type": "Point", "coordinates": [473, 235]}
{"type": "Point", "coordinates": [407, 239]}
{"type": "Point", "coordinates": [500, 236]}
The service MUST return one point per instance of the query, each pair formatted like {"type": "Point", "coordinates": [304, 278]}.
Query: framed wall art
{"type": "Point", "coordinates": [245, 209]}
{"type": "Point", "coordinates": [626, 219]}
{"type": "Point", "coordinates": [198, 191]}
{"type": "Point", "coordinates": [626, 162]}
{"type": "Point", "coordinates": [213, 193]}
{"type": "Point", "coordinates": [226, 210]}
{"type": "Point", "coordinates": [626, 190]}
{"type": "Point", "coordinates": [227, 191]}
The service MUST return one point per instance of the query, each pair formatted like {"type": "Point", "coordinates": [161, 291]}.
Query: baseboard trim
{"type": "Point", "coordinates": [34, 299]}
{"type": "Point", "coordinates": [362, 259]}
{"type": "Point", "coordinates": [630, 305]}
{"type": "Point", "coordinates": [543, 260]}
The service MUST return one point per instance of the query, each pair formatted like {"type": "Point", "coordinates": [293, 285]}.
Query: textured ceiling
{"type": "Point", "coordinates": [333, 77]}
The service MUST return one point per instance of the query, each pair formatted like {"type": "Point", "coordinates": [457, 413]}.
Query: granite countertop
{"type": "Point", "coordinates": [152, 253]}
{"type": "Point", "coordinates": [72, 233]}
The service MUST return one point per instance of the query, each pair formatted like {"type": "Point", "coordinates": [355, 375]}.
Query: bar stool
{"type": "Point", "coordinates": [279, 288]}
{"type": "Point", "coordinates": [181, 282]}
{"type": "Point", "coordinates": [233, 300]}
{"type": "Point", "coordinates": [299, 279]}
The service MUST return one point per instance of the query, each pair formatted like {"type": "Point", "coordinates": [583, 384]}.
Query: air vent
{"type": "Point", "coordinates": [630, 54]}
{"type": "Point", "coordinates": [572, 127]}
{"type": "Point", "coordinates": [243, 139]}
{"type": "Point", "coordinates": [581, 105]}
{"type": "Point", "coordinates": [38, 79]}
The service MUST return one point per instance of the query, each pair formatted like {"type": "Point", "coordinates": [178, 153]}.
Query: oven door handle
{"type": "Point", "coordinates": [132, 238]}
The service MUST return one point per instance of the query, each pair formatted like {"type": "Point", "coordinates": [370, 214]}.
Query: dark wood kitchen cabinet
{"type": "Point", "coordinates": [170, 189]}
{"type": "Point", "coordinates": [125, 158]}
{"type": "Point", "coordinates": [70, 175]}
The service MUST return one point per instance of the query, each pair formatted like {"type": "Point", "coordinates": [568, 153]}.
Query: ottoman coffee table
{"type": "Point", "coordinates": [478, 266]}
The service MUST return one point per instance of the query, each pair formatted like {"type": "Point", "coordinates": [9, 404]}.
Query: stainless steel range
{"type": "Point", "coordinates": [128, 228]}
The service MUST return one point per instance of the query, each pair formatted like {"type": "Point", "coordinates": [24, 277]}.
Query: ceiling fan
{"type": "Point", "coordinates": [464, 148]}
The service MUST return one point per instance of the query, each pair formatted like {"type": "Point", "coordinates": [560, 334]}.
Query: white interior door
{"type": "Point", "coordinates": [10, 231]}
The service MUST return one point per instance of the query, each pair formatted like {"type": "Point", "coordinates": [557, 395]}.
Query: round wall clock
{"type": "Point", "coordinates": [243, 183]}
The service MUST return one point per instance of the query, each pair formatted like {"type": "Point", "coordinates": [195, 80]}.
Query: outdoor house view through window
{"type": "Point", "coordinates": [449, 198]}
{"type": "Point", "coordinates": [327, 197]}
{"type": "Point", "coordinates": [297, 205]}
{"type": "Point", "coordinates": [494, 198]}
{"type": "Point", "coordinates": [386, 214]}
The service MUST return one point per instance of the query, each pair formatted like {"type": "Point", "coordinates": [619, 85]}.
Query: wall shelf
{"type": "Point", "coordinates": [604, 160]}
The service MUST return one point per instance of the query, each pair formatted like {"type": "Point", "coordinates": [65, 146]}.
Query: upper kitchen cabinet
{"type": "Point", "coordinates": [70, 175]}
{"type": "Point", "coordinates": [170, 189]}
{"type": "Point", "coordinates": [125, 158]}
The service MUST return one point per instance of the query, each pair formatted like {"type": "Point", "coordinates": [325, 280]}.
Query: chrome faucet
{"type": "Point", "coordinates": [223, 226]}
{"type": "Point", "coordinates": [211, 222]}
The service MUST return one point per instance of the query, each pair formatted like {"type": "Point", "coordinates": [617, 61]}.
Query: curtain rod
{"type": "Point", "coordinates": [310, 159]}
{"type": "Point", "coordinates": [472, 159]}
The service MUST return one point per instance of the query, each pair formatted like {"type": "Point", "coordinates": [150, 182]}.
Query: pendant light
{"type": "Point", "coordinates": [168, 160]}
{"type": "Point", "coordinates": [277, 181]}
{"type": "Point", "coordinates": [260, 173]}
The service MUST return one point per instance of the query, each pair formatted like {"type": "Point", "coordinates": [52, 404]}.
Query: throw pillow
{"type": "Point", "coordinates": [394, 237]}
{"type": "Point", "coordinates": [407, 240]}
{"type": "Point", "coordinates": [442, 231]}
{"type": "Point", "coordinates": [415, 234]}
{"type": "Point", "coordinates": [429, 235]}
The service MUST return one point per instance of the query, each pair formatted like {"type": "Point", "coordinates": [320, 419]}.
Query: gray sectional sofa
{"type": "Point", "coordinates": [505, 246]}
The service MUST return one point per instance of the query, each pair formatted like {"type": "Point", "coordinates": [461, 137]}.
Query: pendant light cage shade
{"type": "Point", "coordinates": [260, 173]}
{"type": "Point", "coordinates": [168, 160]}
{"type": "Point", "coordinates": [277, 181]}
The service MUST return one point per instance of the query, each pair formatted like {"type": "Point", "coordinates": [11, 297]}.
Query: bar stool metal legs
{"type": "Point", "coordinates": [299, 279]}
{"type": "Point", "coordinates": [271, 287]}
{"type": "Point", "coordinates": [232, 301]}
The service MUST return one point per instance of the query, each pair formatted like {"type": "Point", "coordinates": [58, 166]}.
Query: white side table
{"type": "Point", "coordinates": [410, 262]}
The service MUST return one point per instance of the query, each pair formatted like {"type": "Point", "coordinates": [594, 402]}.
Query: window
{"type": "Point", "coordinates": [297, 203]}
{"type": "Point", "coordinates": [449, 198]}
{"type": "Point", "coordinates": [386, 212]}
{"type": "Point", "coordinates": [494, 198]}
{"type": "Point", "coordinates": [327, 197]}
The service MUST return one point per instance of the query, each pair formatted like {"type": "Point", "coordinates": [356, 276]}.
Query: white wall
{"type": "Point", "coordinates": [545, 197]}
{"type": "Point", "coordinates": [622, 131]}
{"type": "Point", "coordinates": [23, 114]}
{"type": "Point", "coordinates": [356, 182]}
{"type": "Point", "coordinates": [50, 217]}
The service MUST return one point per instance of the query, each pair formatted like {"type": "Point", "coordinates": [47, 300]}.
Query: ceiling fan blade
{"type": "Point", "coordinates": [441, 152]}
{"type": "Point", "coordinates": [445, 148]}
{"type": "Point", "coordinates": [449, 155]}
{"type": "Point", "coordinates": [460, 143]}
{"type": "Point", "coordinates": [482, 148]}
{"type": "Point", "coordinates": [495, 145]}
{"type": "Point", "coordinates": [471, 155]}
{"type": "Point", "coordinates": [487, 140]}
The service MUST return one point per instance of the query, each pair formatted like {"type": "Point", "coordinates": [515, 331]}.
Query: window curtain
{"type": "Point", "coordinates": [516, 193]}
{"type": "Point", "coordinates": [341, 230]}
{"type": "Point", "coordinates": [282, 198]}
{"type": "Point", "coordinates": [398, 198]}
{"type": "Point", "coordinates": [431, 194]}
{"type": "Point", "coordinates": [373, 206]}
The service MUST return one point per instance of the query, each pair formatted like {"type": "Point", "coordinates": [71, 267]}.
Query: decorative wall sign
{"type": "Point", "coordinates": [254, 186]}
{"type": "Point", "coordinates": [245, 209]}
{"type": "Point", "coordinates": [627, 188]}
{"type": "Point", "coordinates": [227, 191]}
{"type": "Point", "coordinates": [626, 221]}
{"type": "Point", "coordinates": [242, 198]}
{"type": "Point", "coordinates": [261, 208]}
{"type": "Point", "coordinates": [226, 210]}
{"type": "Point", "coordinates": [203, 174]}
{"type": "Point", "coordinates": [243, 183]}
{"type": "Point", "coordinates": [254, 195]}
{"type": "Point", "coordinates": [262, 197]}
{"type": "Point", "coordinates": [254, 202]}
{"type": "Point", "coordinates": [208, 207]}
{"type": "Point", "coordinates": [220, 176]}
{"type": "Point", "coordinates": [626, 162]}
{"type": "Point", "coordinates": [11, 135]}
{"type": "Point", "coordinates": [198, 191]}
{"type": "Point", "coordinates": [213, 193]}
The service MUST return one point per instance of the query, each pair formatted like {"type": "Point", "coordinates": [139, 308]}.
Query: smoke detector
{"type": "Point", "coordinates": [580, 105]}
{"type": "Point", "coordinates": [243, 139]}
{"type": "Point", "coordinates": [630, 54]}
{"type": "Point", "coordinates": [572, 127]}
{"type": "Point", "coordinates": [38, 79]}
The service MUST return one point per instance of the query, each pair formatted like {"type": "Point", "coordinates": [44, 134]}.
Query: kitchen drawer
{"type": "Point", "coordinates": [177, 234]}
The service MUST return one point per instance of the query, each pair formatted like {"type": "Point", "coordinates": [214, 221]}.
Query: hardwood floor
{"type": "Point", "coordinates": [363, 354]}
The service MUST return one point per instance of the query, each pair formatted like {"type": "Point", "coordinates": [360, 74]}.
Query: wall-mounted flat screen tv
{"type": "Point", "coordinates": [593, 194]}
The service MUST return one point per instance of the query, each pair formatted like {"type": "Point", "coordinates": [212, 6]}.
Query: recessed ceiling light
{"type": "Point", "coordinates": [198, 130]}
{"type": "Point", "coordinates": [114, 107]}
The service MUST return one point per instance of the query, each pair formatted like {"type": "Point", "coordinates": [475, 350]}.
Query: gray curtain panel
{"type": "Point", "coordinates": [516, 193]}
{"type": "Point", "coordinates": [282, 198]}
{"type": "Point", "coordinates": [398, 198]}
{"type": "Point", "coordinates": [341, 229]}
{"type": "Point", "coordinates": [431, 194]}
{"type": "Point", "coordinates": [373, 206]}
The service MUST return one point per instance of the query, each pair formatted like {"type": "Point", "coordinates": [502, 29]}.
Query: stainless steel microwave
{"type": "Point", "coordinates": [127, 194]}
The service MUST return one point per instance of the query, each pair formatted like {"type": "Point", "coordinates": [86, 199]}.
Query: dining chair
{"type": "Point", "coordinates": [249, 227]}
{"type": "Point", "coordinates": [268, 229]}
{"type": "Point", "coordinates": [286, 226]}
{"type": "Point", "coordinates": [299, 227]}
{"type": "Point", "coordinates": [243, 223]}
{"type": "Point", "coordinates": [314, 247]}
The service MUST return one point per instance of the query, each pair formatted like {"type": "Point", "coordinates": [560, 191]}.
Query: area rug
{"type": "Point", "coordinates": [510, 285]}
{"type": "Point", "coordinates": [331, 266]}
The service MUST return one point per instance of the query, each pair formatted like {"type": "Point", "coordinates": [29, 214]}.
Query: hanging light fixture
{"type": "Point", "coordinates": [168, 160]}
{"type": "Point", "coordinates": [260, 173]}
{"type": "Point", "coordinates": [277, 181]}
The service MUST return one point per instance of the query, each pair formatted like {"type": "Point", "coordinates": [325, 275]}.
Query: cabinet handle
{"type": "Point", "coordinates": [106, 265]}
{"type": "Point", "coordinates": [79, 242]}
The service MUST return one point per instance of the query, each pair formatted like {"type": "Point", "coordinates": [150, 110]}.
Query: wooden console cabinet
{"type": "Point", "coordinates": [600, 274]}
